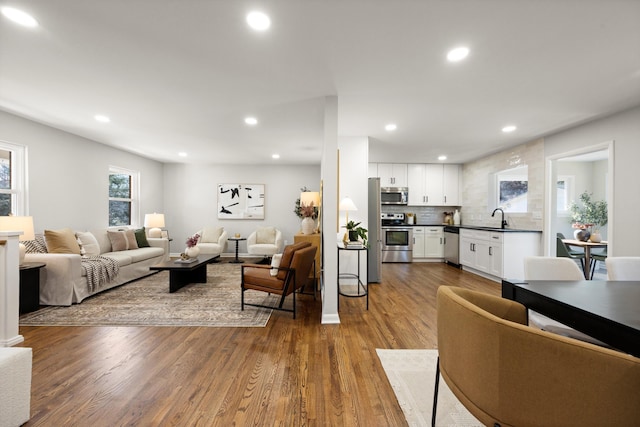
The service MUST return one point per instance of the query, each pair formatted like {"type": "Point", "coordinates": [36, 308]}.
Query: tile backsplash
{"type": "Point", "coordinates": [475, 187]}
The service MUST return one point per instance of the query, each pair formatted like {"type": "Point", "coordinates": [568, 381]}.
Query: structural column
{"type": "Point", "coordinates": [9, 288]}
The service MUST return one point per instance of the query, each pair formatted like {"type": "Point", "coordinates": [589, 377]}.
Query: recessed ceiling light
{"type": "Point", "coordinates": [258, 21]}
{"type": "Point", "coordinates": [182, 154]}
{"type": "Point", "coordinates": [508, 129]}
{"type": "Point", "coordinates": [442, 157]}
{"type": "Point", "coordinates": [19, 17]}
{"type": "Point", "coordinates": [275, 156]}
{"type": "Point", "coordinates": [251, 121]}
{"type": "Point", "coordinates": [101, 118]}
{"type": "Point", "coordinates": [458, 54]}
{"type": "Point", "coordinates": [390, 127]}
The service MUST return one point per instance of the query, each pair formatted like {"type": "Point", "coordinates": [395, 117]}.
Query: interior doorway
{"type": "Point", "coordinates": [569, 175]}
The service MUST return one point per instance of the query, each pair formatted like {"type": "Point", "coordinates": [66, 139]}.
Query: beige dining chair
{"type": "Point", "coordinates": [553, 268]}
{"type": "Point", "coordinates": [623, 268]}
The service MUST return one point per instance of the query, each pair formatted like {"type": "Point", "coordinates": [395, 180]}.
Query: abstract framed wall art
{"type": "Point", "coordinates": [240, 201]}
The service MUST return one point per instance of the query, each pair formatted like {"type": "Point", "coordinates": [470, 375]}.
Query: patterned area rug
{"type": "Point", "coordinates": [411, 373]}
{"type": "Point", "coordinates": [147, 302]}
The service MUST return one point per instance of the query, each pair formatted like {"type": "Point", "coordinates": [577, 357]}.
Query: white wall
{"type": "Point", "coordinates": [191, 198]}
{"type": "Point", "coordinates": [624, 129]}
{"type": "Point", "coordinates": [69, 175]}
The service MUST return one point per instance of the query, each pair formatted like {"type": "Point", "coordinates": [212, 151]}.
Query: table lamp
{"type": "Point", "coordinates": [347, 205]}
{"type": "Point", "coordinates": [154, 222]}
{"type": "Point", "coordinates": [19, 223]}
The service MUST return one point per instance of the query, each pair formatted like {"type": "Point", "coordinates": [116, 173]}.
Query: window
{"type": "Point", "coordinates": [123, 197]}
{"type": "Point", "coordinates": [565, 193]}
{"type": "Point", "coordinates": [12, 179]}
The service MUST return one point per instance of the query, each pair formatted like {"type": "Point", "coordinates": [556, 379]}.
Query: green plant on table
{"type": "Point", "coordinates": [354, 229]}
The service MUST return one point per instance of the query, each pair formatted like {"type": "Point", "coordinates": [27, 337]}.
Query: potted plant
{"type": "Point", "coordinates": [588, 218]}
{"type": "Point", "coordinates": [356, 232]}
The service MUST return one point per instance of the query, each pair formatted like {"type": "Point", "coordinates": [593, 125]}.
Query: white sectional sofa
{"type": "Point", "coordinates": [64, 280]}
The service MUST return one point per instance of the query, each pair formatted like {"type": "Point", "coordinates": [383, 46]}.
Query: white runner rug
{"type": "Point", "coordinates": [412, 376]}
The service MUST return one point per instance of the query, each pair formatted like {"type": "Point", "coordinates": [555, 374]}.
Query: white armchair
{"type": "Point", "coordinates": [212, 241]}
{"type": "Point", "coordinates": [266, 241]}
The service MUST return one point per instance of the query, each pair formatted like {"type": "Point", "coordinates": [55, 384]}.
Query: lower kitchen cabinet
{"type": "Point", "coordinates": [497, 254]}
{"type": "Point", "coordinates": [428, 242]}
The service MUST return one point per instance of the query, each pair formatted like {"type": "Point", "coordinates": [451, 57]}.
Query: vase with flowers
{"type": "Point", "coordinates": [192, 250]}
{"type": "Point", "coordinates": [588, 218]}
{"type": "Point", "coordinates": [308, 214]}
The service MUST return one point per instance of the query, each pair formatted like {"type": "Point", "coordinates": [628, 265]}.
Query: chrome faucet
{"type": "Point", "coordinates": [503, 223]}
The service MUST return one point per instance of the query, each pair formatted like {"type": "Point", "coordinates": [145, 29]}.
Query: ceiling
{"type": "Point", "coordinates": [181, 76]}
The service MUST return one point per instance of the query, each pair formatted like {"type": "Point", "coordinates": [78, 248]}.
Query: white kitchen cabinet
{"type": "Point", "coordinates": [433, 184]}
{"type": "Point", "coordinates": [497, 254]}
{"type": "Point", "coordinates": [428, 242]}
{"type": "Point", "coordinates": [451, 185]}
{"type": "Point", "coordinates": [392, 174]}
{"type": "Point", "coordinates": [418, 242]}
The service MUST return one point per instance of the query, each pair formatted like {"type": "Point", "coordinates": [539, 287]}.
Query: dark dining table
{"type": "Point", "coordinates": [606, 310]}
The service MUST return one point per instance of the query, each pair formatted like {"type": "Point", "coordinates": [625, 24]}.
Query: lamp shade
{"type": "Point", "coordinates": [154, 222]}
{"type": "Point", "coordinates": [347, 204]}
{"type": "Point", "coordinates": [18, 223]}
{"type": "Point", "coordinates": [310, 198]}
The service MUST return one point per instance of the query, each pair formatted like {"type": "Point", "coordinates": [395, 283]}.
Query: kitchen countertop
{"type": "Point", "coordinates": [470, 227]}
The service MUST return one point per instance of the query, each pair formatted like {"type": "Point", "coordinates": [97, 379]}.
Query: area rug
{"type": "Point", "coordinates": [411, 374]}
{"type": "Point", "coordinates": [147, 302]}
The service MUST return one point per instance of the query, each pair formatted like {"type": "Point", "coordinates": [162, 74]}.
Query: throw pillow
{"type": "Point", "coordinates": [266, 235]}
{"type": "Point", "coordinates": [36, 246]}
{"type": "Point", "coordinates": [211, 234]}
{"type": "Point", "coordinates": [118, 240]}
{"type": "Point", "coordinates": [141, 238]}
{"type": "Point", "coordinates": [132, 243]}
{"type": "Point", "coordinates": [275, 263]}
{"type": "Point", "coordinates": [89, 245]}
{"type": "Point", "coordinates": [61, 241]}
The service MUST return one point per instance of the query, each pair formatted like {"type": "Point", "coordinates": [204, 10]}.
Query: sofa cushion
{"type": "Point", "coordinates": [122, 257]}
{"type": "Point", "coordinates": [118, 241]}
{"type": "Point", "coordinates": [61, 241]}
{"type": "Point", "coordinates": [211, 234]}
{"type": "Point", "coordinates": [142, 254]}
{"type": "Point", "coordinates": [266, 235]}
{"type": "Point", "coordinates": [141, 238]}
{"type": "Point", "coordinates": [275, 263]}
{"type": "Point", "coordinates": [88, 244]}
{"type": "Point", "coordinates": [36, 246]}
{"type": "Point", "coordinates": [132, 241]}
{"type": "Point", "coordinates": [122, 240]}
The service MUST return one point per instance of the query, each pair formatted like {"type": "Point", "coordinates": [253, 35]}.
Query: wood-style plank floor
{"type": "Point", "coordinates": [290, 373]}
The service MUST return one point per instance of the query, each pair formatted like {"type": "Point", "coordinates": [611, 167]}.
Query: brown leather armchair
{"type": "Point", "coordinates": [292, 274]}
{"type": "Point", "coordinates": [509, 374]}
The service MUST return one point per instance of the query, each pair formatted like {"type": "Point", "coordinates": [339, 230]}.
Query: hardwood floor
{"type": "Point", "coordinates": [290, 373]}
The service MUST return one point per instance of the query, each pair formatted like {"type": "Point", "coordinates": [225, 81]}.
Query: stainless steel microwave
{"type": "Point", "coordinates": [394, 195]}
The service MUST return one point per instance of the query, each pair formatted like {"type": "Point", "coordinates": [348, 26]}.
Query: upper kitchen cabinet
{"type": "Point", "coordinates": [392, 174]}
{"type": "Point", "coordinates": [433, 184]}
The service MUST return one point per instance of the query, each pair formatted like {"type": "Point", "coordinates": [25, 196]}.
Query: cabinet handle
{"type": "Point", "coordinates": [427, 199]}
{"type": "Point", "coordinates": [445, 199]}
{"type": "Point", "coordinates": [490, 252]}
{"type": "Point", "coordinates": [441, 242]}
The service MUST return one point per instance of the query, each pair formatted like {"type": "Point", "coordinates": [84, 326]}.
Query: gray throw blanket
{"type": "Point", "coordinates": [100, 270]}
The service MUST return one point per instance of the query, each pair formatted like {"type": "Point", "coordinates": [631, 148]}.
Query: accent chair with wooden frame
{"type": "Point", "coordinates": [292, 274]}
{"type": "Point", "coordinates": [509, 374]}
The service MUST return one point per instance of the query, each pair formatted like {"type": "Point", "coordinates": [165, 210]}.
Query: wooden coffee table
{"type": "Point", "coordinates": [181, 274]}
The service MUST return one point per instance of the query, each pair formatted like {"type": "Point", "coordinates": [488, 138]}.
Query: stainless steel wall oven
{"type": "Point", "coordinates": [397, 244]}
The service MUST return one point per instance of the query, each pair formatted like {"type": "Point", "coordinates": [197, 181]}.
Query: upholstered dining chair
{"type": "Point", "coordinates": [551, 268]}
{"type": "Point", "coordinates": [285, 279]}
{"type": "Point", "coordinates": [509, 374]}
{"type": "Point", "coordinates": [595, 257]}
{"type": "Point", "coordinates": [265, 241]}
{"type": "Point", "coordinates": [623, 268]}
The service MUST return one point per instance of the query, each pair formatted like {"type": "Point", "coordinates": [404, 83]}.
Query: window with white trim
{"type": "Point", "coordinates": [123, 196]}
{"type": "Point", "coordinates": [13, 178]}
{"type": "Point", "coordinates": [565, 193]}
